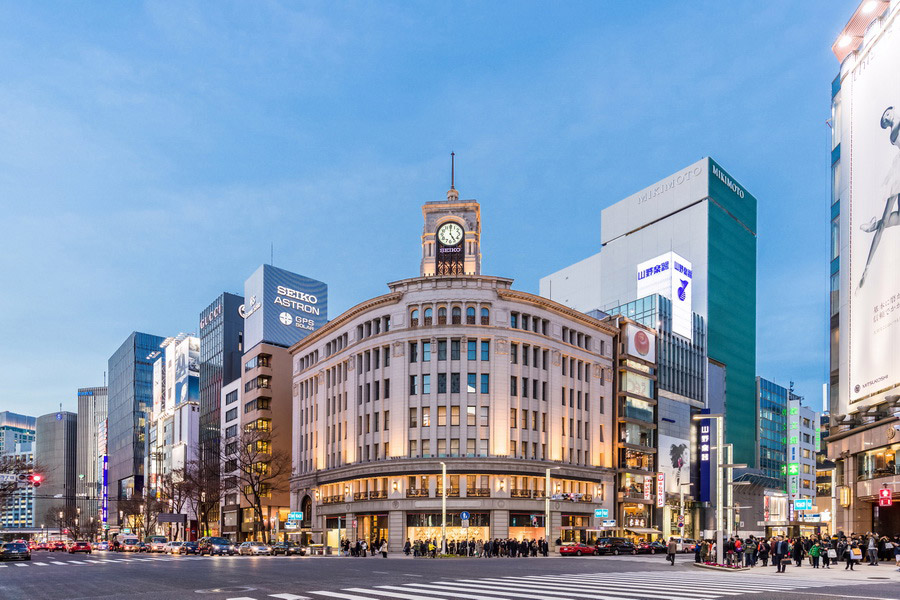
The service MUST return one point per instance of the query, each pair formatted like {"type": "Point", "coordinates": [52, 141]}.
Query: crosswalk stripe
{"type": "Point", "coordinates": [666, 589]}
{"type": "Point", "coordinates": [21, 565]}
{"type": "Point", "coordinates": [455, 594]}
{"type": "Point", "coordinates": [726, 588]}
{"type": "Point", "coordinates": [519, 592]}
{"type": "Point", "coordinates": [340, 595]}
{"type": "Point", "coordinates": [645, 591]}
{"type": "Point", "coordinates": [289, 597]}
{"type": "Point", "coordinates": [75, 562]}
{"type": "Point", "coordinates": [40, 564]}
{"type": "Point", "coordinates": [393, 594]}
{"type": "Point", "coordinates": [3, 566]}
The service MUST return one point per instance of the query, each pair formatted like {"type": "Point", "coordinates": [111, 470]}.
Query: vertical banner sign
{"type": "Point", "coordinates": [704, 452]}
{"type": "Point", "coordinates": [660, 490]}
{"type": "Point", "coordinates": [105, 490]}
{"type": "Point", "coordinates": [648, 487]}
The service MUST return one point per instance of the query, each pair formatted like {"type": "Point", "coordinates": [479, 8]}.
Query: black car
{"type": "Point", "coordinates": [14, 551]}
{"type": "Point", "coordinates": [651, 548]}
{"type": "Point", "coordinates": [288, 548]}
{"type": "Point", "coordinates": [189, 548]}
{"type": "Point", "coordinates": [215, 545]}
{"type": "Point", "coordinates": [615, 546]}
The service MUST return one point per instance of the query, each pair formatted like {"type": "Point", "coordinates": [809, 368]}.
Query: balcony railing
{"type": "Point", "coordinates": [478, 493]}
{"type": "Point", "coordinates": [520, 493]}
{"type": "Point", "coordinates": [378, 495]}
{"type": "Point", "coordinates": [451, 493]}
{"type": "Point", "coordinates": [417, 493]}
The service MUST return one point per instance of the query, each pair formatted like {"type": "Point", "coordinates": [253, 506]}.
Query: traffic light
{"type": "Point", "coordinates": [35, 479]}
{"type": "Point", "coordinates": [884, 497]}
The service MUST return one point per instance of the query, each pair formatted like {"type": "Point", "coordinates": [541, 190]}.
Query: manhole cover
{"type": "Point", "coordinates": [226, 590]}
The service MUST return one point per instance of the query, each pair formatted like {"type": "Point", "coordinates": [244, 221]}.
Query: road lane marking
{"type": "Point", "coordinates": [346, 596]}
{"type": "Point", "coordinates": [289, 597]}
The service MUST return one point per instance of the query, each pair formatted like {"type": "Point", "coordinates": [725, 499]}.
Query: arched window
{"type": "Point", "coordinates": [470, 315]}
{"type": "Point", "coordinates": [485, 316]}
{"type": "Point", "coordinates": [428, 313]}
{"type": "Point", "coordinates": [456, 315]}
{"type": "Point", "coordinates": [442, 315]}
{"type": "Point", "coordinates": [414, 318]}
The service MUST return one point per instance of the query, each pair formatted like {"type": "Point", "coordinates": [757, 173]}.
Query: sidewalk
{"type": "Point", "coordinates": [860, 572]}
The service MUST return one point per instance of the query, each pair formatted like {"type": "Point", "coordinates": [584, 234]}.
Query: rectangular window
{"type": "Point", "coordinates": [413, 385]}
{"type": "Point", "coordinates": [512, 448]}
{"type": "Point", "coordinates": [835, 237]}
{"type": "Point", "coordinates": [485, 383]}
{"type": "Point", "coordinates": [471, 350]}
{"type": "Point", "coordinates": [470, 416]}
{"type": "Point", "coordinates": [387, 420]}
{"type": "Point", "coordinates": [513, 385]}
{"type": "Point", "coordinates": [426, 383]}
{"type": "Point", "coordinates": [454, 415]}
{"type": "Point", "coordinates": [514, 320]}
{"type": "Point", "coordinates": [426, 416]}
{"type": "Point", "coordinates": [524, 419]}
{"type": "Point", "coordinates": [426, 351]}
{"type": "Point", "coordinates": [413, 448]}
{"type": "Point", "coordinates": [442, 415]}
{"type": "Point", "coordinates": [471, 379]}
{"type": "Point", "coordinates": [387, 388]}
{"type": "Point", "coordinates": [485, 350]}
{"type": "Point", "coordinates": [513, 353]}
{"type": "Point", "coordinates": [231, 415]}
{"type": "Point", "coordinates": [442, 349]}
{"type": "Point", "coordinates": [525, 352]}
{"type": "Point", "coordinates": [454, 447]}
{"type": "Point", "coordinates": [485, 416]}
{"type": "Point", "coordinates": [442, 448]}
{"type": "Point", "coordinates": [426, 448]}
{"type": "Point", "coordinates": [513, 418]}
{"type": "Point", "coordinates": [470, 447]}
{"type": "Point", "coordinates": [413, 417]}
{"type": "Point", "coordinates": [413, 352]}
{"type": "Point", "coordinates": [442, 383]}
{"type": "Point", "coordinates": [524, 387]}
{"type": "Point", "coordinates": [454, 383]}
{"type": "Point", "coordinates": [375, 421]}
{"type": "Point", "coordinates": [482, 447]}
{"type": "Point", "coordinates": [454, 349]}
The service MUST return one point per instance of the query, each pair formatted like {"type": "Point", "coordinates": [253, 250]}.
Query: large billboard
{"type": "Point", "coordinates": [672, 276]}
{"type": "Point", "coordinates": [187, 370]}
{"type": "Point", "coordinates": [675, 462]}
{"type": "Point", "coordinates": [281, 307]}
{"type": "Point", "coordinates": [874, 218]}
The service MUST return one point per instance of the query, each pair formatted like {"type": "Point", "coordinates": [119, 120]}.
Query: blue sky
{"type": "Point", "coordinates": [153, 152]}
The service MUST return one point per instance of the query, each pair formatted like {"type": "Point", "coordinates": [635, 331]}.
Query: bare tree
{"type": "Point", "coordinates": [258, 470]}
{"type": "Point", "coordinates": [203, 490]}
{"type": "Point", "coordinates": [15, 466]}
{"type": "Point", "coordinates": [142, 514]}
{"type": "Point", "coordinates": [71, 522]}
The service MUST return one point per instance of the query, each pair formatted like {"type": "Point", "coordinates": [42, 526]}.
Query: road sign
{"type": "Point", "coordinates": [803, 504]}
{"type": "Point", "coordinates": [295, 516]}
{"type": "Point", "coordinates": [465, 523]}
{"type": "Point", "coordinates": [464, 515]}
{"type": "Point", "coordinates": [608, 523]}
{"type": "Point", "coordinates": [601, 513]}
{"type": "Point", "coordinates": [292, 524]}
{"type": "Point", "coordinates": [354, 523]}
{"type": "Point", "coordinates": [8, 477]}
{"type": "Point", "coordinates": [884, 497]}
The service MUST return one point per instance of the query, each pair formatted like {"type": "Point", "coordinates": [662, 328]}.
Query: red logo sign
{"type": "Point", "coordinates": [884, 497]}
{"type": "Point", "coordinates": [642, 343]}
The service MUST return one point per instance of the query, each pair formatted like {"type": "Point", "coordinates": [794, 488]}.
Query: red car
{"type": "Point", "coordinates": [58, 547]}
{"type": "Point", "coordinates": [577, 549]}
{"type": "Point", "coordinates": [79, 547]}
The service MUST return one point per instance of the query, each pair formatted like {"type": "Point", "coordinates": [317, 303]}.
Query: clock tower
{"type": "Point", "coordinates": [451, 237]}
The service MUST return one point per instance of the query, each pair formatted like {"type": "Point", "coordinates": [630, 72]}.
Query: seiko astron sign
{"type": "Point", "coordinates": [282, 307]}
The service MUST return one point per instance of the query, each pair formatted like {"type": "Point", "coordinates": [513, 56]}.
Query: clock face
{"type": "Point", "coordinates": [450, 234]}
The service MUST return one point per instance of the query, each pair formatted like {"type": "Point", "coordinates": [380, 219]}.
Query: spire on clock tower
{"type": "Point", "coordinates": [451, 236]}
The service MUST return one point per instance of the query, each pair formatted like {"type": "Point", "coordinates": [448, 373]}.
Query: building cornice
{"type": "Point", "coordinates": [545, 303]}
{"type": "Point", "coordinates": [343, 318]}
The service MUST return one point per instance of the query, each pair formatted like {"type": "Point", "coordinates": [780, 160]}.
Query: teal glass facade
{"type": "Point", "coordinates": [773, 400]}
{"type": "Point", "coordinates": [731, 311]}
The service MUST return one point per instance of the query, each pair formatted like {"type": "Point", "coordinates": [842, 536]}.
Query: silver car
{"type": "Point", "coordinates": [254, 549]}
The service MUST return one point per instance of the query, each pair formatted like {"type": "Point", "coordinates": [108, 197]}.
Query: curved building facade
{"type": "Point", "coordinates": [453, 370]}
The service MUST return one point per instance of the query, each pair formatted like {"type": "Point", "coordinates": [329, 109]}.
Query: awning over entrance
{"type": "Point", "coordinates": [643, 530]}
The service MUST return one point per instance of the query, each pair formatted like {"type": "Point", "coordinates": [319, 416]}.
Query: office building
{"type": "Point", "coordinates": [282, 308]}
{"type": "Point", "coordinates": [130, 400]}
{"type": "Point", "coordinates": [91, 490]}
{"type": "Point", "coordinates": [454, 368]}
{"type": "Point", "coordinates": [55, 451]}
{"type": "Point", "coordinates": [772, 407]}
{"type": "Point", "coordinates": [680, 386]}
{"type": "Point", "coordinates": [17, 448]}
{"type": "Point", "coordinates": [864, 380]}
{"type": "Point", "coordinates": [690, 237]}
{"type": "Point", "coordinates": [803, 436]}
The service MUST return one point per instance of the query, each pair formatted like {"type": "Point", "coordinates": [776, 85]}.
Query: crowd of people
{"type": "Point", "coordinates": [818, 551]}
{"type": "Point", "coordinates": [510, 548]}
{"type": "Point", "coordinates": [362, 547]}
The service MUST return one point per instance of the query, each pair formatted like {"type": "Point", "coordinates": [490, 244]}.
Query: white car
{"type": "Point", "coordinates": [173, 548]}
{"type": "Point", "coordinates": [157, 544]}
{"type": "Point", "coordinates": [254, 549]}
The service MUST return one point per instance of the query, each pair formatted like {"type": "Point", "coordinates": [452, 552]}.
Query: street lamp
{"type": "Point", "coordinates": [443, 507]}
{"type": "Point", "coordinates": [547, 504]}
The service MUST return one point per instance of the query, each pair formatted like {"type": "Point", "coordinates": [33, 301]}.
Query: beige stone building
{"type": "Point", "coordinates": [453, 369]}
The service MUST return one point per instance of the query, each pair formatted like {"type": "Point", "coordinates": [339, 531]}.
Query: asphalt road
{"type": "Point", "coordinates": [110, 576]}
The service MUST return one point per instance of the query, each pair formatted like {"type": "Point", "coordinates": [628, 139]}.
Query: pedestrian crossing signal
{"type": "Point", "coordinates": [884, 497]}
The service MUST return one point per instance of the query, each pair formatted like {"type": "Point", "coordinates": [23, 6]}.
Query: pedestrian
{"type": "Point", "coordinates": [763, 552]}
{"type": "Point", "coordinates": [384, 548]}
{"type": "Point", "coordinates": [739, 552]}
{"type": "Point", "coordinates": [852, 553]}
{"type": "Point", "coordinates": [797, 552]}
{"type": "Point", "coordinates": [872, 550]}
{"type": "Point", "coordinates": [896, 549]}
{"type": "Point", "coordinates": [814, 554]}
{"type": "Point", "coordinates": [671, 549]}
{"type": "Point", "coordinates": [780, 554]}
